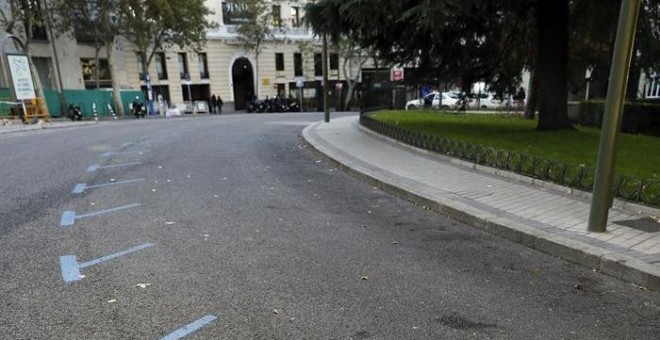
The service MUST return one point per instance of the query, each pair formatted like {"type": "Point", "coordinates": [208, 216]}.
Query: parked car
{"type": "Point", "coordinates": [431, 100]}
{"type": "Point", "coordinates": [434, 100]}
{"type": "Point", "coordinates": [450, 99]}
{"type": "Point", "coordinates": [486, 101]}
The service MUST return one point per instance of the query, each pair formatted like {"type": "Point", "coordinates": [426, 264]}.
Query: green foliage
{"type": "Point", "coordinates": [153, 25]}
{"type": "Point", "coordinates": [258, 28]}
{"type": "Point", "coordinates": [90, 17]}
{"type": "Point", "coordinates": [460, 41]}
{"type": "Point", "coordinates": [643, 118]}
{"type": "Point", "coordinates": [19, 17]}
{"type": "Point", "coordinates": [637, 154]}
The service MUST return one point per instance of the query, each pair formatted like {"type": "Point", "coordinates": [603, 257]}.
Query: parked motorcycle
{"type": "Point", "coordinates": [75, 113]}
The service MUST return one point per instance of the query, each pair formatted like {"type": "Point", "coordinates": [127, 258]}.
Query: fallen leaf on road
{"type": "Point", "coordinates": [275, 311]}
{"type": "Point", "coordinates": [365, 278]}
{"type": "Point", "coordinates": [112, 300]}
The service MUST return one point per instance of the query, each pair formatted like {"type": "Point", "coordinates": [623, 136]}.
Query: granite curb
{"type": "Point", "coordinates": [617, 265]}
{"type": "Point", "coordinates": [16, 128]}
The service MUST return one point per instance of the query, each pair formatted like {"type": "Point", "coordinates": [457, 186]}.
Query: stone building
{"type": "Point", "coordinates": [223, 68]}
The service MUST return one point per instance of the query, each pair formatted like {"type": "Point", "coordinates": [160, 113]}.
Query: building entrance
{"type": "Point", "coordinates": [243, 79]}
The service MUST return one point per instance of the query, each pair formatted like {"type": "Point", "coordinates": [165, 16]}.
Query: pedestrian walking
{"type": "Point", "coordinates": [214, 103]}
{"type": "Point", "coordinates": [219, 102]}
{"type": "Point", "coordinates": [520, 98]}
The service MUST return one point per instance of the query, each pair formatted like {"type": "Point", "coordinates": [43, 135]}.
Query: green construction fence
{"type": "Point", "coordinates": [81, 98]}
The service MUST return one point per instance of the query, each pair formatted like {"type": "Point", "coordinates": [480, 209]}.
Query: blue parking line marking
{"type": "Point", "coordinates": [115, 183]}
{"type": "Point", "coordinates": [79, 188]}
{"type": "Point", "coordinates": [115, 255]}
{"type": "Point", "coordinates": [95, 167]}
{"type": "Point", "coordinates": [68, 217]}
{"type": "Point", "coordinates": [190, 328]}
{"type": "Point", "coordinates": [107, 211]}
{"type": "Point", "coordinates": [71, 268]}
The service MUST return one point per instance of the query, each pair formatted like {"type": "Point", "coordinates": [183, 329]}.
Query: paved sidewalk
{"type": "Point", "coordinates": [16, 125]}
{"type": "Point", "coordinates": [541, 217]}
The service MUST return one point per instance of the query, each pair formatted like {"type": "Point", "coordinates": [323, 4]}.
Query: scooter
{"type": "Point", "coordinates": [138, 109]}
{"type": "Point", "coordinates": [75, 113]}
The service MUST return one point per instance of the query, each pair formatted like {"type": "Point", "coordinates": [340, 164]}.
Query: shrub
{"type": "Point", "coordinates": [638, 117]}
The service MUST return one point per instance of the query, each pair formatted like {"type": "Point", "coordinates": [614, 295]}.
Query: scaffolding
{"type": "Point", "coordinates": [27, 110]}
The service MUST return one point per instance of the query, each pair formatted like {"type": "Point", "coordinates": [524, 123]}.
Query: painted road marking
{"type": "Point", "coordinates": [69, 216]}
{"type": "Point", "coordinates": [95, 167]}
{"type": "Point", "coordinates": [71, 267]}
{"type": "Point", "coordinates": [81, 187]}
{"type": "Point", "coordinates": [190, 328]}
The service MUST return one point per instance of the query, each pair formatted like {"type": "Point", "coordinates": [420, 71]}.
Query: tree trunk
{"type": "Point", "coordinates": [532, 98]}
{"type": "Point", "coordinates": [552, 64]}
{"type": "Point", "coordinates": [256, 73]}
{"type": "Point", "coordinates": [116, 96]}
{"type": "Point", "coordinates": [634, 73]}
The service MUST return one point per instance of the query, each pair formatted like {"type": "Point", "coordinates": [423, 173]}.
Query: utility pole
{"type": "Point", "coordinates": [326, 110]}
{"type": "Point", "coordinates": [603, 193]}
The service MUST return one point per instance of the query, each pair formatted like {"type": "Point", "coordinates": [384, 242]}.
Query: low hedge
{"type": "Point", "coordinates": [638, 117]}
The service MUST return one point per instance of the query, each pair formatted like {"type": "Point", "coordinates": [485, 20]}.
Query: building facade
{"type": "Point", "coordinates": [223, 68]}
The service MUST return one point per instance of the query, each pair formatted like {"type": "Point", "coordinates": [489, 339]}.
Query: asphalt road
{"type": "Point", "coordinates": [229, 227]}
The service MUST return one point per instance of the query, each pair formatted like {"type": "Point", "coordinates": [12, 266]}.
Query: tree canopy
{"type": "Point", "coordinates": [465, 41]}
{"type": "Point", "coordinates": [153, 25]}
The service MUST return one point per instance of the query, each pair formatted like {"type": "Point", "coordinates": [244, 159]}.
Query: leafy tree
{"type": "Point", "coordinates": [25, 19]}
{"type": "Point", "coordinates": [256, 29]}
{"type": "Point", "coordinates": [465, 41]}
{"type": "Point", "coordinates": [155, 25]}
{"type": "Point", "coordinates": [98, 20]}
{"type": "Point", "coordinates": [354, 58]}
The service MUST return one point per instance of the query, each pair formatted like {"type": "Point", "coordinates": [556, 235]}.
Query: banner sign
{"type": "Point", "coordinates": [21, 76]}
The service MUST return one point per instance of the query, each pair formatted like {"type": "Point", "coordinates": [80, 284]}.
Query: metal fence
{"type": "Point", "coordinates": [383, 95]}
{"type": "Point", "coordinates": [645, 191]}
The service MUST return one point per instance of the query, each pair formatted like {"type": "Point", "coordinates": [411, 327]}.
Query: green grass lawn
{"type": "Point", "coordinates": [637, 155]}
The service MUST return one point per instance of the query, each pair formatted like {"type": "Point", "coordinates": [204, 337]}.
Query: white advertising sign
{"type": "Point", "coordinates": [21, 77]}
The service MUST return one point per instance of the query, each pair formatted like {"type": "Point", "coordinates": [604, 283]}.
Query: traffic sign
{"type": "Point", "coordinates": [397, 74]}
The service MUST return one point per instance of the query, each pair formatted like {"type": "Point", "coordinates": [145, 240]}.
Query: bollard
{"type": "Point", "coordinates": [96, 115]}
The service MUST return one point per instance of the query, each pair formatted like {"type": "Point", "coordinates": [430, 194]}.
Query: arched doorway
{"type": "Point", "coordinates": [243, 80]}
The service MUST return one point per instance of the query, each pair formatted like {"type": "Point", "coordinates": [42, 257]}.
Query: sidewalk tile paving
{"type": "Point", "coordinates": [549, 219]}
